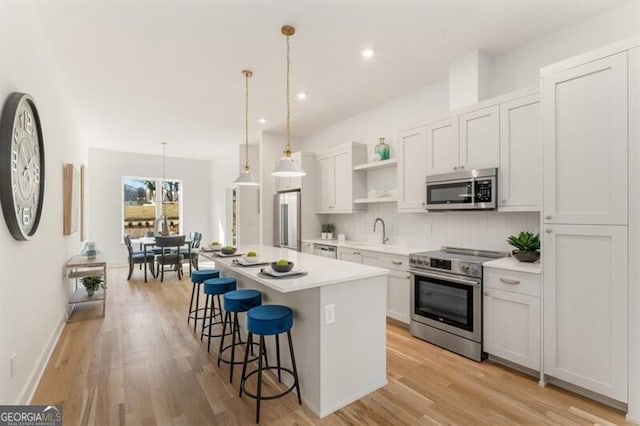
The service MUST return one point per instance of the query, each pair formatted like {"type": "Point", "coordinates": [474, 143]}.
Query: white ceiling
{"type": "Point", "coordinates": [143, 71]}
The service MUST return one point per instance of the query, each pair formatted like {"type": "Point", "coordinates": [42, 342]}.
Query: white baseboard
{"type": "Point", "coordinates": [634, 420]}
{"type": "Point", "coordinates": [29, 389]}
{"type": "Point", "coordinates": [349, 400]}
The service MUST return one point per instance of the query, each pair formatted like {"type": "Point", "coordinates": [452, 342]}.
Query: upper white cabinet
{"type": "Point", "coordinates": [467, 141]}
{"type": "Point", "coordinates": [480, 138]}
{"type": "Point", "coordinates": [411, 170]}
{"type": "Point", "coordinates": [520, 171]}
{"type": "Point", "coordinates": [585, 143]}
{"type": "Point", "coordinates": [585, 307]}
{"type": "Point", "coordinates": [337, 185]}
{"type": "Point", "coordinates": [442, 146]}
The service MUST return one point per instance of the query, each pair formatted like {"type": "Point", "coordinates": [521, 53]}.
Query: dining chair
{"type": "Point", "coordinates": [170, 254]}
{"type": "Point", "coordinates": [138, 257]}
{"type": "Point", "coordinates": [192, 255]}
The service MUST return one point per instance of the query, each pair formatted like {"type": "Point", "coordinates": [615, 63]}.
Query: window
{"type": "Point", "coordinates": [143, 210]}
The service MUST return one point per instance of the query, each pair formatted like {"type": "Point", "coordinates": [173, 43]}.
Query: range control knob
{"type": "Point", "coordinates": [465, 268]}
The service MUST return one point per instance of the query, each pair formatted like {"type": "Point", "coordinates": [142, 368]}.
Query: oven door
{"type": "Point", "coordinates": [447, 302]}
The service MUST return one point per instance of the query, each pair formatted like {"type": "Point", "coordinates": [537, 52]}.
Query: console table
{"type": "Point", "coordinates": [77, 268]}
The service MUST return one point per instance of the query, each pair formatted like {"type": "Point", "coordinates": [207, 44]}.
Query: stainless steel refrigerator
{"type": "Point", "coordinates": [287, 220]}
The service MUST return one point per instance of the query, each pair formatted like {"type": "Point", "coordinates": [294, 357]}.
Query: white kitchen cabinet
{"type": "Point", "coordinates": [399, 282]}
{"type": "Point", "coordinates": [349, 255]}
{"type": "Point", "coordinates": [412, 159]}
{"type": "Point", "coordinates": [480, 138]}
{"type": "Point", "coordinates": [307, 247]}
{"type": "Point", "coordinates": [399, 296]}
{"type": "Point", "coordinates": [585, 143]}
{"type": "Point", "coordinates": [585, 305]}
{"type": "Point", "coordinates": [442, 146]}
{"type": "Point", "coordinates": [520, 171]}
{"type": "Point", "coordinates": [337, 185]}
{"type": "Point", "coordinates": [511, 316]}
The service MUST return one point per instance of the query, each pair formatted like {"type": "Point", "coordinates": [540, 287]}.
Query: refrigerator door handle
{"type": "Point", "coordinates": [284, 224]}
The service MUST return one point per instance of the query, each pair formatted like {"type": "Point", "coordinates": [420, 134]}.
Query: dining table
{"type": "Point", "coordinates": [147, 242]}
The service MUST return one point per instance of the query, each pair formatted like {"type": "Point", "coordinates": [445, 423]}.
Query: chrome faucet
{"type": "Point", "coordinates": [385, 238]}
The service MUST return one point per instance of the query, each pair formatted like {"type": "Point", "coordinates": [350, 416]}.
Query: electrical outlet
{"type": "Point", "coordinates": [329, 314]}
{"type": "Point", "coordinates": [12, 366]}
{"type": "Point", "coordinates": [427, 228]}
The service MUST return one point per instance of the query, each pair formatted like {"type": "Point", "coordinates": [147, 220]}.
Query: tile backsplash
{"type": "Point", "coordinates": [485, 230]}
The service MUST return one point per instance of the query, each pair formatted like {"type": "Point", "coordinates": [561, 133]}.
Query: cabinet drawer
{"type": "Point", "coordinates": [514, 281]}
{"type": "Point", "coordinates": [397, 263]}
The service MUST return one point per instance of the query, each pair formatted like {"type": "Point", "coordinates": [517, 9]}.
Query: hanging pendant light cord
{"type": "Point", "coordinates": [247, 74]}
{"type": "Point", "coordinates": [288, 31]}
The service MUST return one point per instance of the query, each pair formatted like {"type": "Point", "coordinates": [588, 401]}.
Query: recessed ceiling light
{"type": "Point", "coordinates": [301, 95]}
{"type": "Point", "coordinates": [262, 120]}
{"type": "Point", "coordinates": [367, 53]}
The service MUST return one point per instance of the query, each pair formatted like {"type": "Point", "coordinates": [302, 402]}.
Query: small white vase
{"type": "Point", "coordinates": [329, 235]}
{"type": "Point", "coordinates": [324, 235]}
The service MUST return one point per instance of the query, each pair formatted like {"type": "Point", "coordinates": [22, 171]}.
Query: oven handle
{"type": "Point", "coordinates": [445, 277]}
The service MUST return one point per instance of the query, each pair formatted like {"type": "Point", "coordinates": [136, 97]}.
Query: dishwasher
{"type": "Point", "coordinates": [325, 251]}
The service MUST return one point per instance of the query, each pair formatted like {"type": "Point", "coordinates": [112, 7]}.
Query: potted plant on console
{"type": "Point", "coordinates": [527, 246]}
{"type": "Point", "coordinates": [93, 284]}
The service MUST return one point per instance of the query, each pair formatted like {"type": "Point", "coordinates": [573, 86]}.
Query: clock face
{"type": "Point", "coordinates": [21, 166]}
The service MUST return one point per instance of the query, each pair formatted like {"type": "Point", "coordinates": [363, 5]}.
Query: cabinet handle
{"type": "Point", "coordinates": [509, 281]}
{"type": "Point", "coordinates": [548, 216]}
{"type": "Point", "coordinates": [331, 207]}
{"type": "Point", "coordinates": [424, 204]}
{"type": "Point", "coordinates": [455, 167]}
{"type": "Point", "coordinates": [462, 167]}
{"type": "Point", "coordinates": [408, 277]}
{"type": "Point", "coordinates": [548, 230]}
{"type": "Point", "coordinates": [396, 262]}
{"type": "Point", "coordinates": [486, 293]}
{"type": "Point", "coordinates": [504, 201]}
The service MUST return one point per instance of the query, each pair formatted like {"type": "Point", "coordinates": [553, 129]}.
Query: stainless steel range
{"type": "Point", "coordinates": [446, 298]}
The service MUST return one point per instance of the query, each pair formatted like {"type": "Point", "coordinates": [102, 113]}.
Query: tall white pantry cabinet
{"type": "Point", "coordinates": [587, 117]}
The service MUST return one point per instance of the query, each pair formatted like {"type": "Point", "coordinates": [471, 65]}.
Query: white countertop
{"type": "Point", "coordinates": [379, 248]}
{"type": "Point", "coordinates": [321, 271]}
{"type": "Point", "coordinates": [513, 264]}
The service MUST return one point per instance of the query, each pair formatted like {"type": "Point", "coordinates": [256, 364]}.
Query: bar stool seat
{"type": "Point", "coordinates": [235, 302]}
{"type": "Point", "coordinates": [269, 320]}
{"type": "Point", "coordinates": [213, 288]}
{"type": "Point", "coordinates": [197, 278]}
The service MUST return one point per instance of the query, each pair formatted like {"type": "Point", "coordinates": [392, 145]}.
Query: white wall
{"type": "Point", "coordinates": [106, 170]}
{"type": "Point", "coordinates": [520, 67]}
{"type": "Point", "coordinates": [32, 271]}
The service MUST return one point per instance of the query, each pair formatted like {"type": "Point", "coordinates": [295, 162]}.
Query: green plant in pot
{"type": "Point", "coordinates": [527, 246]}
{"type": "Point", "coordinates": [93, 284]}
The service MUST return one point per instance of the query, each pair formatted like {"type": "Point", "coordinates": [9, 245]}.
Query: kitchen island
{"type": "Point", "coordinates": [339, 328]}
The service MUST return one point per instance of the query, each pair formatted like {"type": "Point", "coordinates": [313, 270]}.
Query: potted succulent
{"type": "Point", "coordinates": [93, 284]}
{"type": "Point", "coordinates": [527, 246]}
{"type": "Point", "coordinates": [330, 228]}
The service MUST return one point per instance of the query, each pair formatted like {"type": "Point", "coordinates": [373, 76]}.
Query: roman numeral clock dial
{"type": "Point", "coordinates": [21, 166]}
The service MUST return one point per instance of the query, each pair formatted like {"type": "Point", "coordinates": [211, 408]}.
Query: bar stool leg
{"type": "Point", "coordinates": [204, 318]}
{"type": "Point", "coordinates": [235, 331]}
{"type": "Point", "coordinates": [193, 293]}
{"type": "Point", "coordinates": [295, 369]}
{"type": "Point", "coordinates": [259, 379]}
{"type": "Point", "coordinates": [219, 308]}
{"type": "Point", "coordinates": [212, 318]}
{"type": "Point", "coordinates": [244, 364]}
{"type": "Point", "coordinates": [195, 322]}
{"type": "Point", "coordinates": [278, 356]}
{"type": "Point", "coordinates": [227, 317]}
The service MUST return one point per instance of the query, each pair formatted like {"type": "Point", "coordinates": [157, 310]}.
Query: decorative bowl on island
{"type": "Point", "coordinates": [279, 266]}
{"type": "Point", "coordinates": [228, 250]}
{"type": "Point", "coordinates": [251, 257]}
{"type": "Point", "coordinates": [215, 245]}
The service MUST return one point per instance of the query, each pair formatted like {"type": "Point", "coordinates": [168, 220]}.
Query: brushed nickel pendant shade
{"type": "Point", "coordinates": [286, 167]}
{"type": "Point", "coordinates": [246, 177]}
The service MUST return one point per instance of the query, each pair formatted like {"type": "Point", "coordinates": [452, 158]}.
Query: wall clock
{"type": "Point", "coordinates": [21, 166]}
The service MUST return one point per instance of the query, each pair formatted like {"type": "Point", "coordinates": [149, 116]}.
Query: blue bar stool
{"type": "Point", "coordinates": [269, 320]}
{"type": "Point", "coordinates": [236, 301]}
{"type": "Point", "coordinates": [213, 288]}
{"type": "Point", "coordinates": [197, 278]}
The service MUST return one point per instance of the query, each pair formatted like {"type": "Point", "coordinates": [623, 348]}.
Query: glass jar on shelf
{"type": "Point", "coordinates": [382, 149]}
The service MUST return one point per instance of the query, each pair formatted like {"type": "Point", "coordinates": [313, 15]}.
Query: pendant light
{"type": "Point", "coordinates": [286, 167]}
{"type": "Point", "coordinates": [246, 177]}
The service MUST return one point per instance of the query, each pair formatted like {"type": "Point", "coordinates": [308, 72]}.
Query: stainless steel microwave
{"type": "Point", "coordinates": [475, 189]}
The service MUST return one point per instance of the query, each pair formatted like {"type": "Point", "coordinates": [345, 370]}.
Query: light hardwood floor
{"type": "Point", "coordinates": [143, 364]}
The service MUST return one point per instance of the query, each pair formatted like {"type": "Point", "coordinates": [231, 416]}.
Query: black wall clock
{"type": "Point", "coordinates": [21, 166]}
